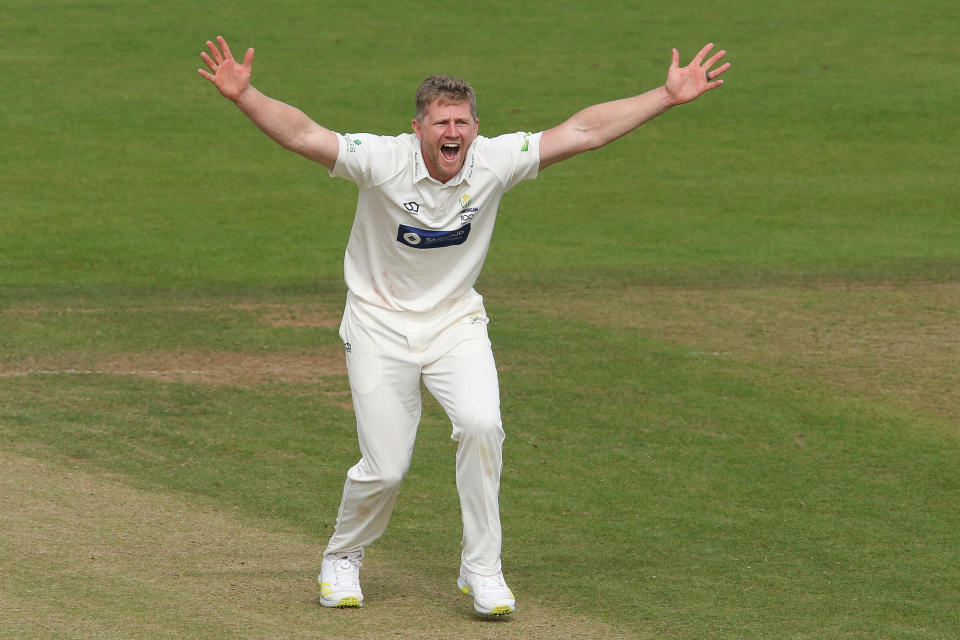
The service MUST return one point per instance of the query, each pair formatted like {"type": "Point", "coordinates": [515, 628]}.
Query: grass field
{"type": "Point", "coordinates": [729, 343]}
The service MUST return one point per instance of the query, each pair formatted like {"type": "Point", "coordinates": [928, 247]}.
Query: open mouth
{"type": "Point", "coordinates": [450, 150]}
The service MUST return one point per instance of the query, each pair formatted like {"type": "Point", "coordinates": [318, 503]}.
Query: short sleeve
{"type": "Point", "coordinates": [514, 157]}
{"type": "Point", "coordinates": [368, 159]}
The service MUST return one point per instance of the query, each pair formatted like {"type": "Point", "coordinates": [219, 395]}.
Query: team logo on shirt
{"type": "Point", "coordinates": [427, 239]}
{"type": "Point", "coordinates": [412, 207]}
{"type": "Point", "coordinates": [466, 211]}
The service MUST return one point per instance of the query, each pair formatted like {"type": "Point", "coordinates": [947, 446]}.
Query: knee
{"type": "Point", "coordinates": [381, 477]}
{"type": "Point", "coordinates": [480, 425]}
{"type": "Point", "coordinates": [490, 426]}
{"type": "Point", "coordinates": [391, 479]}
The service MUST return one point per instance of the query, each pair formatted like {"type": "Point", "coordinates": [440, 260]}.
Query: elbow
{"type": "Point", "coordinates": [590, 138]}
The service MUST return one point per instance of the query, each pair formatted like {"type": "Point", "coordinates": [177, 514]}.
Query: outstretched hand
{"type": "Point", "coordinates": [687, 83]}
{"type": "Point", "coordinates": [230, 77]}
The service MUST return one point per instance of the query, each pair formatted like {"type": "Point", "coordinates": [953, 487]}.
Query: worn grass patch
{"type": "Point", "coordinates": [88, 556]}
{"type": "Point", "coordinates": [223, 368]}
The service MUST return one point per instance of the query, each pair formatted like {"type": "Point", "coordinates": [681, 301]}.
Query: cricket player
{"type": "Point", "coordinates": [426, 207]}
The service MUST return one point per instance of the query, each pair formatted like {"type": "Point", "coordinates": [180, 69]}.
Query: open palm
{"type": "Point", "coordinates": [686, 83]}
{"type": "Point", "coordinates": [230, 77]}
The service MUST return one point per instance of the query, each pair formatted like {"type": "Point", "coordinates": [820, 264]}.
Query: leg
{"type": "Point", "coordinates": [465, 383]}
{"type": "Point", "coordinates": [386, 399]}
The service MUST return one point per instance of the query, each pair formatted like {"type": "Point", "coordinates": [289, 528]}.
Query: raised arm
{"type": "Point", "coordinates": [600, 124]}
{"type": "Point", "coordinates": [288, 126]}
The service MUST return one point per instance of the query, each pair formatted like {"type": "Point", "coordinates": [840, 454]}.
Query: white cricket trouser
{"type": "Point", "coordinates": [388, 353]}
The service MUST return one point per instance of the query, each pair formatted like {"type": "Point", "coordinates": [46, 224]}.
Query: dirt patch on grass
{"type": "Point", "coordinates": [218, 368]}
{"type": "Point", "coordinates": [898, 343]}
{"type": "Point", "coordinates": [87, 556]}
{"type": "Point", "coordinates": [271, 314]}
{"type": "Point", "coordinates": [293, 317]}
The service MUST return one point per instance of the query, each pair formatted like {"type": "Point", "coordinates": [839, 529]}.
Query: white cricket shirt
{"type": "Point", "coordinates": [417, 242]}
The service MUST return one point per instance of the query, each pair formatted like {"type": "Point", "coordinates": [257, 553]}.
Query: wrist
{"type": "Point", "coordinates": [246, 95]}
{"type": "Point", "coordinates": [666, 98]}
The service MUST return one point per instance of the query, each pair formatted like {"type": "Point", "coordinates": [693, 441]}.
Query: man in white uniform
{"type": "Point", "coordinates": [426, 209]}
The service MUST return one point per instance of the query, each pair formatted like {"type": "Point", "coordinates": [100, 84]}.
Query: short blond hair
{"type": "Point", "coordinates": [448, 90]}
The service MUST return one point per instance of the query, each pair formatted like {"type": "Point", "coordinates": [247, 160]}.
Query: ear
{"type": "Point", "coordinates": [416, 129]}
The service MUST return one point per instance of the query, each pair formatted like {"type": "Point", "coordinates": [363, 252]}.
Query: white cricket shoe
{"type": "Point", "coordinates": [339, 580]}
{"type": "Point", "coordinates": [491, 595]}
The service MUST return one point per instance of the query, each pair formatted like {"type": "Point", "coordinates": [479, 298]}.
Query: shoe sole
{"type": "Point", "coordinates": [347, 602]}
{"type": "Point", "coordinates": [350, 602]}
{"type": "Point", "coordinates": [496, 611]}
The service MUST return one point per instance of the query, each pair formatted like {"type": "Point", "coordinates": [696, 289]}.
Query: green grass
{"type": "Point", "coordinates": [664, 490]}
{"type": "Point", "coordinates": [691, 486]}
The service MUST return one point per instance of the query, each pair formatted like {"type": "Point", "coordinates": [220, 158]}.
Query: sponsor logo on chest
{"type": "Point", "coordinates": [430, 239]}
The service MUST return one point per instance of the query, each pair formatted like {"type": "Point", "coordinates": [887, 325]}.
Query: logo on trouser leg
{"type": "Point", "coordinates": [347, 347]}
